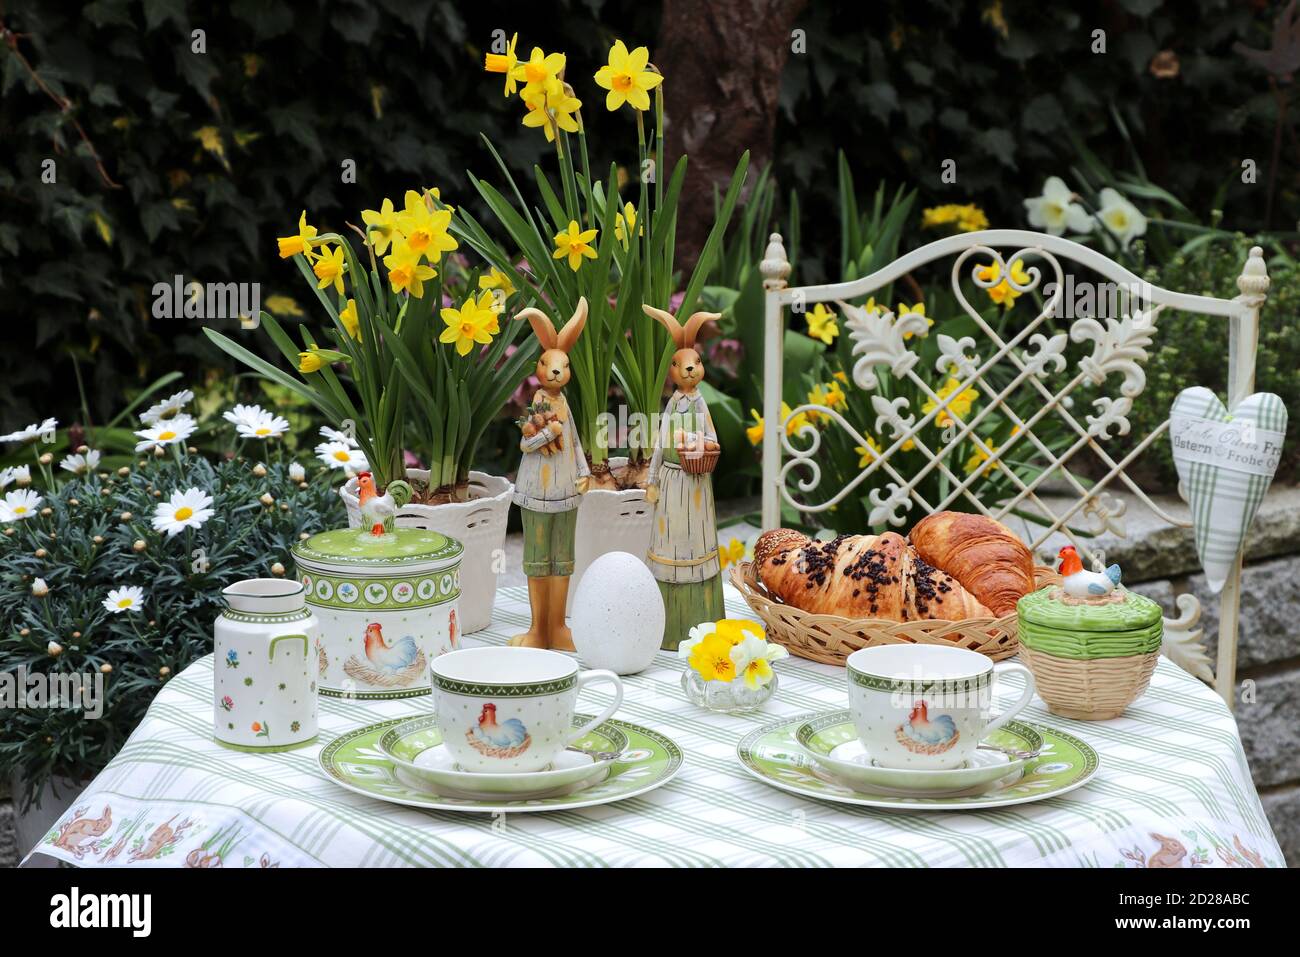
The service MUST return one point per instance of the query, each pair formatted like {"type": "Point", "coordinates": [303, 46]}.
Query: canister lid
{"type": "Point", "coordinates": [360, 552]}
{"type": "Point", "coordinates": [1046, 607]}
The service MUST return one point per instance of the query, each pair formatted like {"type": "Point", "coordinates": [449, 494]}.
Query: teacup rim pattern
{"type": "Point", "coordinates": [504, 689]}
{"type": "Point", "coordinates": [922, 686]}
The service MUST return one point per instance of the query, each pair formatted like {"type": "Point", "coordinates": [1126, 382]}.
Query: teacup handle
{"type": "Point", "coordinates": [584, 679]}
{"type": "Point", "coordinates": [1026, 695]}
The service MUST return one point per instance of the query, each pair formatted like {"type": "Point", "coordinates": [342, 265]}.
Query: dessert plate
{"type": "Point", "coordinates": [416, 747]}
{"type": "Point", "coordinates": [773, 755]}
{"type": "Point", "coordinates": [832, 743]}
{"type": "Point", "coordinates": [355, 761]}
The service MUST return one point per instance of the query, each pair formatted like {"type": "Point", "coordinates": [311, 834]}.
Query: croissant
{"type": "Point", "coordinates": [859, 576]}
{"type": "Point", "coordinates": [984, 555]}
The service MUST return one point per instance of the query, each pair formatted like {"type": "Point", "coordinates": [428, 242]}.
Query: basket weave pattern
{"type": "Point", "coordinates": [830, 639]}
{"type": "Point", "coordinates": [1093, 689]}
{"type": "Point", "coordinates": [698, 463]}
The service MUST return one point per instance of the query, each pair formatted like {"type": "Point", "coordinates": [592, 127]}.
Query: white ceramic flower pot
{"type": "Point", "coordinates": [479, 525]}
{"type": "Point", "coordinates": [609, 522]}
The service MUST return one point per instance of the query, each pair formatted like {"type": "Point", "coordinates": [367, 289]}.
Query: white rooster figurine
{"type": "Point", "coordinates": [378, 512]}
{"type": "Point", "coordinates": [1081, 583]}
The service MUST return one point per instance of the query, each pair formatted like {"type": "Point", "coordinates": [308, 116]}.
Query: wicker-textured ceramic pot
{"type": "Point", "coordinates": [387, 606]}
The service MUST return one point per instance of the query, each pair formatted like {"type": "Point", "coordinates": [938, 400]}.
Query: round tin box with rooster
{"type": "Point", "coordinates": [386, 604]}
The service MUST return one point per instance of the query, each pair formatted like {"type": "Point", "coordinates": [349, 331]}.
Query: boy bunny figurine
{"type": "Point", "coordinates": [553, 475]}
{"type": "Point", "coordinates": [683, 554]}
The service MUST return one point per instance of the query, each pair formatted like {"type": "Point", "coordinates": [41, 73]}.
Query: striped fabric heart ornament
{"type": "Point", "coordinates": [1225, 462]}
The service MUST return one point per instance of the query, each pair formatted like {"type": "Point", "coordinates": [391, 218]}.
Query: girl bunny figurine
{"type": "Point", "coordinates": [553, 474]}
{"type": "Point", "coordinates": [683, 552]}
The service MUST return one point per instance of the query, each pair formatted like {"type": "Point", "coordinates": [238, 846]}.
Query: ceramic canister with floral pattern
{"type": "Point", "coordinates": [263, 677]}
{"type": "Point", "coordinates": [387, 607]}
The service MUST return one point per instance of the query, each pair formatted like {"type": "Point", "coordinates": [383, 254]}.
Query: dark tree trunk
{"type": "Point", "coordinates": [722, 63]}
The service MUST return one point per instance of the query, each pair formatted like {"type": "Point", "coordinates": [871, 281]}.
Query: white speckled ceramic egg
{"type": "Point", "coordinates": [618, 614]}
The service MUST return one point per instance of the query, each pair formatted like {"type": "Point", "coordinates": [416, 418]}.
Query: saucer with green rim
{"type": "Point", "coordinates": [832, 742]}
{"type": "Point", "coordinates": [416, 747]}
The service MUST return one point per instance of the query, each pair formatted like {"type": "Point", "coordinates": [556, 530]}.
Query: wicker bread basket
{"type": "Point", "coordinates": [830, 639]}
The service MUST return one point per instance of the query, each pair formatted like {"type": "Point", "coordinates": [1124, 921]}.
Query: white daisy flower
{"type": "Point", "coordinates": [166, 409]}
{"type": "Point", "coordinates": [166, 432]}
{"type": "Point", "coordinates": [19, 504]}
{"type": "Point", "coordinates": [1120, 216]}
{"type": "Point", "coordinates": [79, 464]}
{"type": "Point", "coordinates": [265, 426]}
{"type": "Point", "coordinates": [22, 474]}
{"type": "Point", "coordinates": [6, 478]}
{"type": "Point", "coordinates": [334, 435]}
{"type": "Point", "coordinates": [126, 598]}
{"type": "Point", "coordinates": [241, 414]}
{"type": "Point", "coordinates": [297, 473]}
{"type": "Point", "coordinates": [340, 455]}
{"type": "Point", "coordinates": [33, 431]}
{"type": "Point", "coordinates": [188, 509]}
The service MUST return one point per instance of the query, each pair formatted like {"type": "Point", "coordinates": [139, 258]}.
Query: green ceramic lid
{"type": "Point", "coordinates": [361, 553]}
{"type": "Point", "coordinates": [1134, 626]}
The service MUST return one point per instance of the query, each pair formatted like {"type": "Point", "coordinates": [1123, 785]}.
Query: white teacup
{"type": "Point", "coordinates": [511, 709]}
{"type": "Point", "coordinates": [926, 707]}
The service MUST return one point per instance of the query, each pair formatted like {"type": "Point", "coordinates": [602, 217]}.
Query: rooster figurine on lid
{"type": "Point", "coordinates": [1081, 583]}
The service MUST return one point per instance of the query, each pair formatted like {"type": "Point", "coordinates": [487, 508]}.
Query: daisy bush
{"type": "Point", "coordinates": [119, 572]}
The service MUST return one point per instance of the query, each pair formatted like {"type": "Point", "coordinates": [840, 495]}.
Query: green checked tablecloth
{"type": "Point", "coordinates": [1172, 770]}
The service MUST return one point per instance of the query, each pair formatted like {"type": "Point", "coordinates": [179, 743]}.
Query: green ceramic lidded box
{"type": "Point", "coordinates": [1114, 629]}
{"type": "Point", "coordinates": [386, 604]}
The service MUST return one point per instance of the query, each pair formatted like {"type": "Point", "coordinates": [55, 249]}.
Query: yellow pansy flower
{"type": "Point", "coordinates": [821, 324]}
{"type": "Point", "coordinates": [575, 244]}
{"type": "Point", "coordinates": [425, 229]}
{"type": "Point", "coordinates": [1002, 293]}
{"type": "Point", "coordinates": [867, 453]}
{"type": "Point", "coordinates": [711, 657]}
{"type": "Point", "coordinates": [732, 552]}
{"type": "Point", "coordinates": [329, 268]}
{"type": "Point", "coordinates": [381, 226]}
{"type": "Point", "coordinates": [540, 74]}
{"type": "Point", "coordinates": [405, 271]}
{"type": "Point", "coordinates": [504, 63]}
{"type": "Point", "coordinates": [627, 78]}
{"type": "Point", "coordinates": [736, 630]}
{"type": "Point", "coordinates": [351, 322]}
{"type": "Point", "coordinates": [475, 321]}
{"type": "Point", "coordinates": [496, 279]}
{"type": "Point", "coordinates": [959, 405]}
{"type": "Point", "coordinates": [623, 222]}
{"type": "Point", "coordinates": [300, 242]}
{"type": "Point", "coordinates": [549, 112]}
{"type": "Point", "coordinates": [918, 310]}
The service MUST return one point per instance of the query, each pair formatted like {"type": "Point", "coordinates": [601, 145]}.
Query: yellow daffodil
{"type": "Point", "coordinates": [496, 279]}
{"type": "Point", "coordinates": [406, 272]}
{"type": "Point", "coordinates": [732, 552]}
{"type": "Point", "coordinates": [300, 242]}
{"type": "Point", "coordinates": [959, 405]}
{"type": "Point", "coordinates": [1002, 293]}
{"type": "Point", "coordinates": [540, 74]}
{"type": "Point", "coordinates": [348, 316]}
{"type": "Point", "coordinates": [967, 218]}
{"type": "Point", "coordinates": [711, 657]}
{"type": "Point", "coordinates": [575, 244]}
{"type": "Point", "coordinates": [623, 222]}
{"type": "Point", "coordinates": [280, 305]}
{"type": "Point", "coordinates": [315, 357]}
{"type": "Point", "coordinates": [867, 453]}
{"type": "Point", "coordinates": [841, 377]}
{"type": "Point", "coordinates": [919, 310]}
{"type": "Point", "coordinates": [425, 229]}
{"type": "Point", "coordinates": [549, 112]}
{"type": "Point", "coordinates": [978, 457]}
{"type": "Point", "coordinates": [329, 268]}
{"type": "Point", "coordinates": [474, 321]}
{"type": "Point", "coordinates": [821, 324]}
{"type": "Point", "coordinates": [828, 394]}
{"type": "Point", "coordinates": [627, 78]}
{"type": "Point", "coordinates": [792, 425]}
{"type": "Point", "coordinates": [504, 63]}
{"type": "Point", "coordinates": [381, 226]}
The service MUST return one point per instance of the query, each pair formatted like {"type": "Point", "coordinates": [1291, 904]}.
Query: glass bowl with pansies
{"type": "Point", "coordinates": [729, 666]}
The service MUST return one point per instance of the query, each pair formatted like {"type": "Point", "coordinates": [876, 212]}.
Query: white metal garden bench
{"type": "Point", "coordinates": [1032, 355]}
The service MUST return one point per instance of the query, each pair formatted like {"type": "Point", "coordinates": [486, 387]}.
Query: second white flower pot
{"type": "Point", "coordinates": [609, 522]}
{"type": "Point", "coordinates": [479, 524]}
